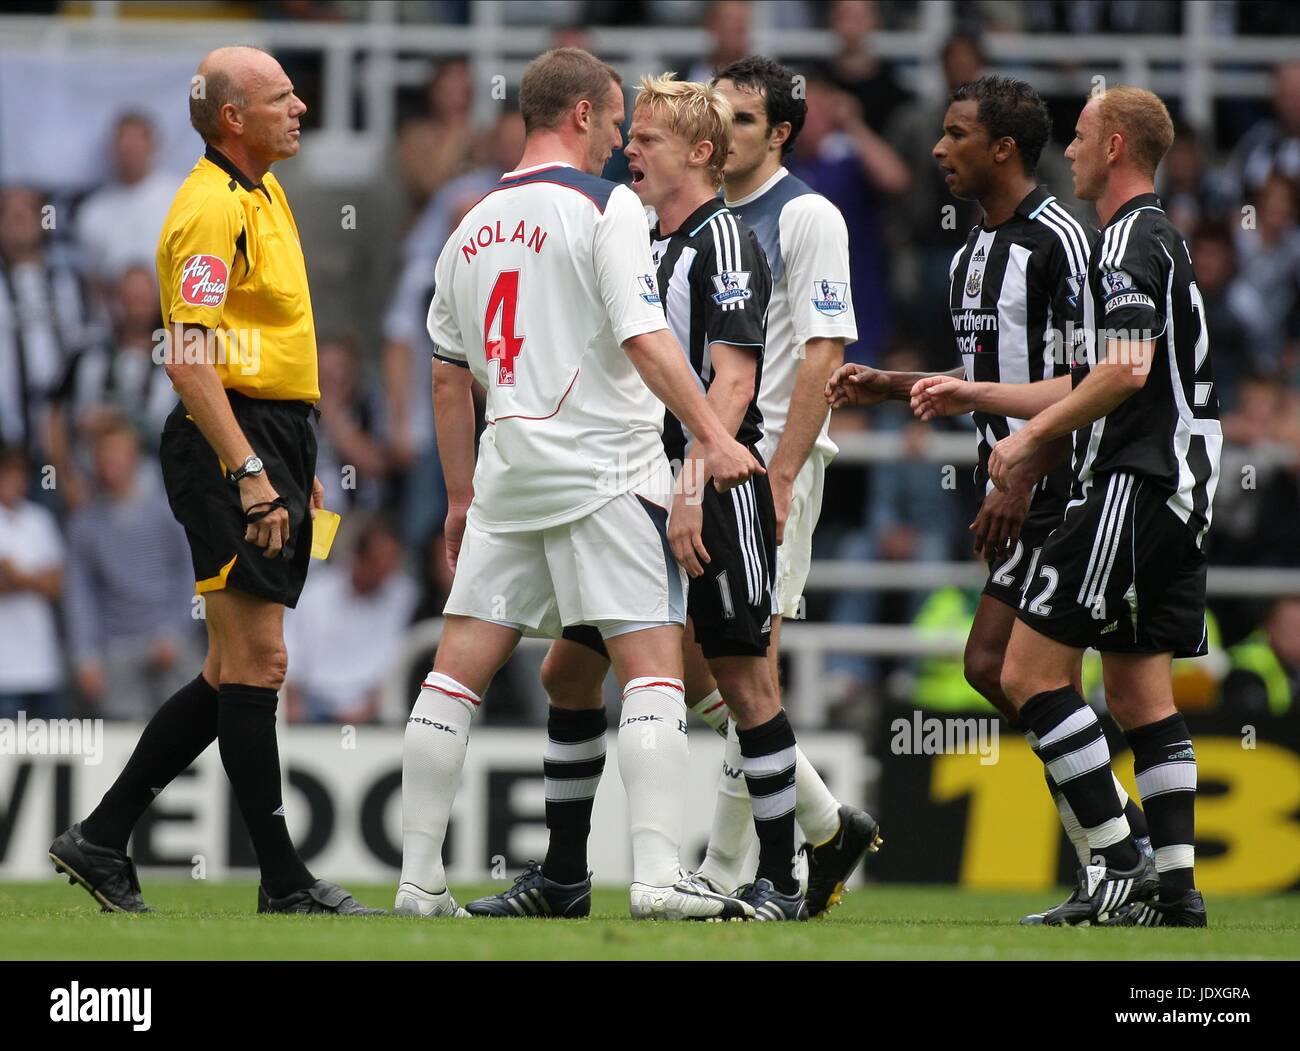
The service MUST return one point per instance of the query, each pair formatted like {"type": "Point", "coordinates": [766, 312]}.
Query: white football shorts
{"type": "Point", "coordinates": [794, 556]}
{"type": "Point", "coordinates": [612, 569]}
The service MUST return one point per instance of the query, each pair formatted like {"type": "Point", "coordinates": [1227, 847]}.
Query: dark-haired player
{"type": "Point", "coordinates": [1013, 299]}
{"type": "Point", "coordinates": [1125, 570]}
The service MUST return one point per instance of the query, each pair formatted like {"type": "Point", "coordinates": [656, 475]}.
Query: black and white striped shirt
{"type": "Point", "coordinates": [715, 286]}
{"type": "Point", "coordinates": [44, 319]}
{"type": "Point", "coordinates": [1141, 286]}
{"type": "Point", "coordinates": [129, 381]}
{"type": "Point", "coordinates": [1013, 299]}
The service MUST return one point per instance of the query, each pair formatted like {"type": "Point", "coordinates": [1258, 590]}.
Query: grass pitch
{"type": "Point", "coordinates": [50, 920]}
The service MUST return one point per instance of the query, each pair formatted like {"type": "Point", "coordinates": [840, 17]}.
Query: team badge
{"type": "Point", "coordinates": [974, 282]}
{"type": "Point", "coordinates": [648, 290]}
{"type": "Point", "coordinates": [830, 297]}
{"type": "Point", "coordinates": [203, 281]}
{"type": "Point", "coordinates": [730, 286]}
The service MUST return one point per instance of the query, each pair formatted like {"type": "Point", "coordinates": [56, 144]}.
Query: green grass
{"type": "Point", "coordinates": [51, 920]}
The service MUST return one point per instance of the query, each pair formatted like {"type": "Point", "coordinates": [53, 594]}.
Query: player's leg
{"type": "Point", "coordinates": [572, 674]}
{"type": "Point", "coordinates": [174, 737]}
{"type": "Point", "coordinates": [1139, 694]}
{"type": "Point", "coordinates": [470, 653]}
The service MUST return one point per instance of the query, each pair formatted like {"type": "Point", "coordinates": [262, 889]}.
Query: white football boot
{"type": "Point", "coordinates": [687, 899]}
{"type": "Point", "coordinates": [415, 901]}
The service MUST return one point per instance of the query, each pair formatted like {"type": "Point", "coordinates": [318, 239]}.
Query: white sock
{"type": "Point", "coordinates": [733, 832]}
{"type": "Point", "coordinates": [433, 754]}
{"type": "Point", "coordinates": [713, 712]}
{"type": "Point", "coordinates": [1074, 830]}
{"type": "Point", "coordinates": [653, 761]}
{"type": "Point", "coordinates": [816, 810]}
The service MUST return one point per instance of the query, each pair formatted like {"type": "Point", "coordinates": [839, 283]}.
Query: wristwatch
{"type": "Point", "coordinates": [253, 465]}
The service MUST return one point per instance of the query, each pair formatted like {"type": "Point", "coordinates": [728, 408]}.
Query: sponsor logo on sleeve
{"type": "Point", "coordinates": [1075, 281]}
{"type": "Point", "coordinates": [730, 286]}
{"type": "Point", "coordinates": [830, 297]}
{"type": "Point", "coordinates": [203, 280]}
{"type": "Point", "coordinates": [648, 289]}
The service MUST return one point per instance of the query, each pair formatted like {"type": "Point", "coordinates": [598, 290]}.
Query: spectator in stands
{"type": "Point", "coordinates": [408, 354]}
{"type": "Point", "coordinates": [930, 220]}
{"type": "Point", "coordinates": [118, 225]}
{"type": "Point", "coordinates": [44, 319]}
{"type": "Point", "coordinates": [1269, 255]}
{"type": "Point", "coordinates": [839, 156]}
{"type": "Point", "coordinates": [31, 577]}
{"type": "Point", "coordinates": [1102, 16]}
{"type": "Point", "coordinates": [1265, 675]}
{"type": "Point", "coordinates": [351, 461]}
{"type": "Point", "coordinates": [1272, 147]}
{"type": "Point", "coordinates": [346, 633]}
{"type": "Point", "coordinates": [1189, 187]}
{"type": "Point", "coordinates": [117, 376]}
{"type": "Point", "coordinates": [1233, 309]}
{"type": "Point", "coordinates": [133, 636]}
{"type": "Point", "coordinates": [857, 71]}
{"type": "Point", "coordinates": [728, 23]}
{"type": "Point", "coordinates": [439, 144]}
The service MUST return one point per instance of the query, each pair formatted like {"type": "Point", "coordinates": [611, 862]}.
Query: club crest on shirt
{"type": "Point", "coordinates": [974, 282]}
{"type": "Point", "coordinates": [830, 297]}
{"type": "Point", "coordinates": [731, 285]}
{"type": "Point", "coordinates": [203, 280]}
{"type": "Point", "coordinates": [647, 288]}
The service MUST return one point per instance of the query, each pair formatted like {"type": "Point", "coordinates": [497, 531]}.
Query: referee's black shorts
{"type": "Point", "coordinates": [208, 505]}
{"type": "Point", "coordinates": [1121, 573]}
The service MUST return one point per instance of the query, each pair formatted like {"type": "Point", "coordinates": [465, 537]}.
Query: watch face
{"type": "Point", "coordinates": [253, 465]}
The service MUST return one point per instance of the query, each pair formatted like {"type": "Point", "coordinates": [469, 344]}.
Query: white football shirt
{"type": "Point", "coordinates": [536, 291]}
{"type": "Point", "coordinates": [807, 246]}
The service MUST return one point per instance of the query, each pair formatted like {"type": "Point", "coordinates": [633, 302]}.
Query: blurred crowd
{"type": "Point", "coordinates": [97, 611]}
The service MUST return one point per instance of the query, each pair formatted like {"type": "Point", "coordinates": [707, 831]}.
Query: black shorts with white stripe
{"type": "Point", "coordinates": [1122, 573]}
{"type": "Point", "coordinates": [1008, 575]}
{"type": "Point", "coordinates": [731, 604]}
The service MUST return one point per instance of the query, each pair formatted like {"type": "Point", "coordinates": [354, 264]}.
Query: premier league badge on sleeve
{"type": "Point", "coordinates": [830, 297]}
{"type": "Point", "coordinates": [648, 289]}
{"type": "Point", "coordinates": [731, 285]}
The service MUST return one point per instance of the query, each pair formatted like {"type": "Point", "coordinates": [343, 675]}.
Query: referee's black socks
{"type": "Point", "coordinates": [246, 734]}
{"type": "Point", "coordinates": [176, 735]}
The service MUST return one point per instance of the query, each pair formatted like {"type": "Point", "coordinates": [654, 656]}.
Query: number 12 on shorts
{"type": "Point", "coordinates": [503, 301]}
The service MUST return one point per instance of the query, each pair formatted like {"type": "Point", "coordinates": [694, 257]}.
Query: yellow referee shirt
{"type": "Point", "coordinates": [229, 259]}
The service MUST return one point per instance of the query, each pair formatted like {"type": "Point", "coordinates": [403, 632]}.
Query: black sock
{"type": "Point", "coordinates": [1165, 765]}
{"type": "Point", "coordinates": [575, 759]}
{"type": "Point", "coordinates": [246, 734]}
{"type": "Point", "coordinates": [1137, 820]}
{"type": "Point", "coordinates": [769, 775]}
{"type": "Point", "coordinates": [176, 735]}
{"type": "Point", "coordinates": [1065, 734]}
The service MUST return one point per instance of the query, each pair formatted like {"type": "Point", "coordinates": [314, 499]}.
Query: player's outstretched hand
{"type": "Point", "coordinates": [854, 384]}
{"type": "Point", "coordinates": [453, 532]}
{"type": "Point", "coordinates": [685, 534]}
{"type": "Point", "coordinates": [729, 464]}
{"type": "Point", "coordinates": [934, 396]}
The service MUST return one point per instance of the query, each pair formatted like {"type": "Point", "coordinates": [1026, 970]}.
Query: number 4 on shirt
{"type": "Point", "coordinates": [505, 347]}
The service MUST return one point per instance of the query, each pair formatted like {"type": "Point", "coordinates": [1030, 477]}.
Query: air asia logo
{"type": "Point", "coordinates": [731, 285]}
{"type": "Point", "coordinates": [648, 289]}
{"type": "Point", "coordinates": [203, 281]}
{"type": "Point", "coordinates": [829, 297]}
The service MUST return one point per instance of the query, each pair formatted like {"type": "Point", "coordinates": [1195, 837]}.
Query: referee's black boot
{"type": "Point", "coordinates": [107, 874]}
{"type": "Point", "coordinates": [321, 896]}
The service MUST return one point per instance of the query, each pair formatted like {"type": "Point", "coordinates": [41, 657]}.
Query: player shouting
{"type": "Point", "coordinates": [544, 296]}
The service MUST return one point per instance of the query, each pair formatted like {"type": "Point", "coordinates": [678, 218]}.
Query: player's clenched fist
{"type": "Point", "coordinates": [942, 396]}
{"type": "Point", "coordinates": [856, 385]}
{"type": "Point", "coordinates": [729, 463]}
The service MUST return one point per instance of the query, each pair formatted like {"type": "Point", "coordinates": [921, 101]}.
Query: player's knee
{"type": "Point", "coordinates": [260, 663]}
{"type": "Point", "coordinates": [983, 670]}
{"type": "Point", "coordinates": [1016, 684]}
{"type": "Point", "coordinates": [563, 689]}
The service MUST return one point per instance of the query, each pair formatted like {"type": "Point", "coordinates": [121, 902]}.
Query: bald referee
{"type": "Point", "coordinates": [238, 457]}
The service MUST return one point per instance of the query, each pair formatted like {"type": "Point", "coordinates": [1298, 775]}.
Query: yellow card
{"type": "Point", "coordinates": [323, 529]}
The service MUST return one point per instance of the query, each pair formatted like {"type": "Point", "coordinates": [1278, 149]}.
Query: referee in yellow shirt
{"type": "Point", "coordinates": [238, 457]}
